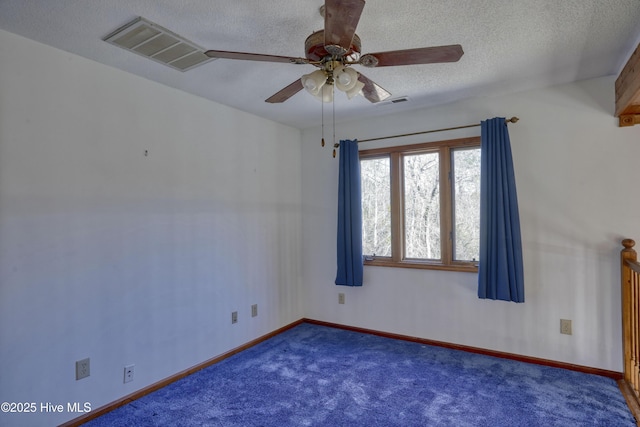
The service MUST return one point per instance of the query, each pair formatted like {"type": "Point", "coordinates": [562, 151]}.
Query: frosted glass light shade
{"type": "Point", "coordinates": [313, 82]}
{"type": "Point", "coordinates": [325, 94]}
{"type": "Point", "coordinates": [346, 78]}
{"type": "Point", "coordinates": [357, 88]}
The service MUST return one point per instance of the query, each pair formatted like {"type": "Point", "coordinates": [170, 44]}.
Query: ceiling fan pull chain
{"type": "Point", "coordinates": [334, 120]}
{"type": "Point", "coordinates": [322, 109]}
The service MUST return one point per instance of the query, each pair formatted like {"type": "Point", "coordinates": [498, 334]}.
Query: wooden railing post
{"type": "Point", "coordinates": [629, 315]}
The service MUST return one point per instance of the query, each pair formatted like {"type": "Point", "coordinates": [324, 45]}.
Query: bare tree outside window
{"type": "Point", "coordinates": [466, 172]}
{"type": "Point", "coordinates": [376, 206]}
{"type": "Point", "coordinates": [422, 206]}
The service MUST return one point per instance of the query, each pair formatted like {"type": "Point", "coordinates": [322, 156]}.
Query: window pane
{"type": "Point", "coordinates": [422, 206]}
{"type": "Point", "coordinates": [466, 172]}
{"type": "Point", "coordinates": [376, 206]}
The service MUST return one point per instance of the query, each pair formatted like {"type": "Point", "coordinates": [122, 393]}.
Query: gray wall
{"type": "Point", "coordinates": [130, 259]}
{"type": "Point", "coordinates": [575, 172]}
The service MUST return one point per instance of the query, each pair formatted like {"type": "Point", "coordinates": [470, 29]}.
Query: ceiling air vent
{"type": "Point", "coordinates": [152, 41]}
{"type": "Point", "coordinates": [394, 101]}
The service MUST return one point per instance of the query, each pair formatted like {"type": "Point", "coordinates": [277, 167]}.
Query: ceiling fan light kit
{"type": "Point", "coordinates": [334, 73]}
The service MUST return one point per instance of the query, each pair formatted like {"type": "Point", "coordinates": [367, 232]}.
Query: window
{"type": "Point", "coordinates": [421, 205]}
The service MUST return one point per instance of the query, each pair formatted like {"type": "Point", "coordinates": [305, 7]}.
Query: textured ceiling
{"type": "Point", "coordinates": [509, 45]}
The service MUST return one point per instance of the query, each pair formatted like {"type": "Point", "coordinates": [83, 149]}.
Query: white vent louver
{"type": "Point", "coordinates": [152, 41]}
{"type": "Point", "coordinates": [394, 101]}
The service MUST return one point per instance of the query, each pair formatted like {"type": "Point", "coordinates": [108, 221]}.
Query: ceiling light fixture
{"type": "Point", "coordinates": [333, 73]}
{"type": "Point", "coordinates": [336, 74]}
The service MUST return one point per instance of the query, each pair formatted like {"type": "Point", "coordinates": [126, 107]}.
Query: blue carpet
{"type": "Point", "coordinates": [319, 376]}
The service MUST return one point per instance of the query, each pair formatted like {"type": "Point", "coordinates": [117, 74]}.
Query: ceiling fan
{"type": "Point", "coordinates": [335, 49]}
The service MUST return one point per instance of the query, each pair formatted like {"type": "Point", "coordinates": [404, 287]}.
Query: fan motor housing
{"type": "Point", "coordinates": [315, 49]}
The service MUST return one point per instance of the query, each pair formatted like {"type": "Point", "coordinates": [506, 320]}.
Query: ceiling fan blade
{"type": "Point", "coordinates": [372, 91]}
{"type": "Point", "coordinates": [285, 93]}
{"type": "Point", "coordinates": [254, 57]}
{"type": "Point", "coordinates": [422, 55]}
{"type": "Point", "coordinates": [340, 21]}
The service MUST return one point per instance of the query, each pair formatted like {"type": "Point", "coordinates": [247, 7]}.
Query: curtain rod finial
{"type": "Point", "coordinates": [513, 119]}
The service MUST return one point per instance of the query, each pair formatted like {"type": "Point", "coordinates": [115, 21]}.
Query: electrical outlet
{"type": "Point", "coordinates": [234, 317]}
{"type": "Point", "coordinates": [565, 326]}
{"type": "Point", "coordinates": [254, 310]}
{"type": "Point", "coordinates": [128, 373]}
{"type": "Point", "coordinates": [340, 298]}
{"type": "Point", "coordinates": [82, 369]}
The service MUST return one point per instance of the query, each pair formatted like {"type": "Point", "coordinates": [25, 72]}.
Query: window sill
{"type": "Point", "coordinates": [467, 267]}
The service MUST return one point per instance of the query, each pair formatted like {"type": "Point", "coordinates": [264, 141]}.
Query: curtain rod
{"type": "Point", "coordinates": [511, 120]}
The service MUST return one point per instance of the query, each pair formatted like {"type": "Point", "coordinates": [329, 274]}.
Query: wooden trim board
{"type": "Point", "coordinates": [627, 91]}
